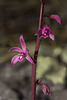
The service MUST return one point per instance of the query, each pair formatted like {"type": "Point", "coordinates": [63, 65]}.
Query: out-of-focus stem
{"type": "Point", "coordinates": [36, 53]}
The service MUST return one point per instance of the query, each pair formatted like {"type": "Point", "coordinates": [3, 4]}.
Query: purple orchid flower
{"type": "Point", "coordinates": [45, 89]}
{"type": "Point", "coordinates": [22, 53]}
{"type": "Point", "coordinates": [45, 32]}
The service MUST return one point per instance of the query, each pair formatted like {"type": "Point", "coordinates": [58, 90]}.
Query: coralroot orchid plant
{"type": "Point", "coordinates": [24, 52]}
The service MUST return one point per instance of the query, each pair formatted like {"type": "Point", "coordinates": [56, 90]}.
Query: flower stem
{"type": "Point", "coordinates": [46, 15]}
{"type": "Point", "coordinates": [36, 53]}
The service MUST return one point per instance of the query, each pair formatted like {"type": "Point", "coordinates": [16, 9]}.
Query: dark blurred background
{"type": "Point", "coordinates": [21, 17]}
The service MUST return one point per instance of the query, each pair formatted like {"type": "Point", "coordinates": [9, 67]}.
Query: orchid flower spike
{"type": "Point", "coordinates": [45, 32]}
{"type": "Point", "coordinates": [22, 53]}
{"type": "Point", "coordinates": [45, 89]}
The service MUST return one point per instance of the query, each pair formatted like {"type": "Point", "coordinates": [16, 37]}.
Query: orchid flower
{"type": "Point", "coordinates": [45, 32]}
{"type": "Point", "coordinates": [22, 53]}
{"type": "Point", "coordinates": [45, 89]}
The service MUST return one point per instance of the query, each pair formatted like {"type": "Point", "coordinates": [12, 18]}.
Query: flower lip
{"type": "Point", "coordinates": [21, 56]}
{"type": "Point", "coordinates": [45, 31]}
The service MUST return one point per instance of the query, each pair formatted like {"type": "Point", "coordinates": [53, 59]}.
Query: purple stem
{"type": "Point", "coordinates": [36, 53]}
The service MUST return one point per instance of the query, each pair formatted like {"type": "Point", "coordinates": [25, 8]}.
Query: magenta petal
{"type": "Point", "coordinates": [29, 59]}
{"type": "Point", "coordinates": [15, 49]}
{"type": "Point", "coordinates": [20, 58]}
{"type": "Point", "coordinates": [44, 36]}
{"type": "Point", "coordinates": [14, 60]}
{"type": "Point", "coordinates": [56, 17]}
{"type": "Point", "coordinates": [27, 51]}
{"type": "Point", "coordinates": [51, 35]}
{"type": "Point", "coordinates": [45, 89]}
{"type": "Point", "coordinates": [22, 43]}
{"type": "Point", "coordinates": [39, 32]}
{"type": "Point", "coordinates": [46, 27]}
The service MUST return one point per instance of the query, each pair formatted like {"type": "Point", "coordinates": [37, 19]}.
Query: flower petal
{"type": "Point", "coordinates": [39, 32]}
{"type": "Point", "coordinates": [45, 89]}
{"type": "Point", "coordinates": [46, 27]}
{"type": "Point", "coordinates": [27, 51]}
{"type": "Point", "coordinates": [20, 56]}
{"type": "Point", "coordinates": [56, 17]}
{"type": "Point", "coordinates": [51, 35]}
{"type": "Point", "coordinates": [15, 49]}
{"type": "Point", "coordinates": [29, 59]}
{"type": "Point", "coordinates": [23, 43]}
{"type": "Point", "coordinates": [14, 60]}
